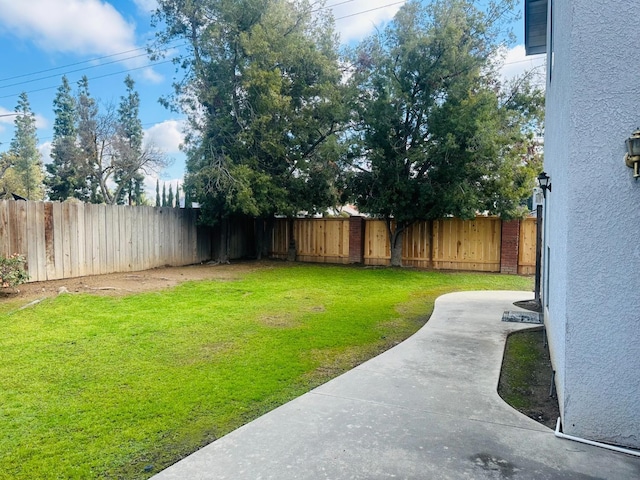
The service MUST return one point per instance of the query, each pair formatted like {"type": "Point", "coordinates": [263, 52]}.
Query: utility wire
{"type": "Point", "coordinates": [55, 75]}
{"type": "Point", "coordinates": [326, 7]}
{"type": "Point", "coordinates": [94, 78]}
{"type": "Point", "coordinates": [370, 10]}
{"type": "Point", "coordinates": [135, 56]}
{"type": "Point", "coordinates": [90, 60]}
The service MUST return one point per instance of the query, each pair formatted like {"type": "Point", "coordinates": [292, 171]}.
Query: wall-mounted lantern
{"type": "Point", "coordinates": [632, 157]}
{"type": "Point", "coordinates": [545, 183]}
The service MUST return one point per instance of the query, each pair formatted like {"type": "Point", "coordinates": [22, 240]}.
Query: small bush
{"type": "Point", "coordinates": [12, 270]}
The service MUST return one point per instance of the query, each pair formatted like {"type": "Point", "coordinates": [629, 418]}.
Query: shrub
{"type": "Point", "coordinates": [12, 270]}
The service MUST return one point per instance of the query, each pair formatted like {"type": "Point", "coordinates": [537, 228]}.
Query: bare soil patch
{"type": "Point", "coordinates": [128, 283]}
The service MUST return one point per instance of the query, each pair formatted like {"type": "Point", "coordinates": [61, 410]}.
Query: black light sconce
{"type": "Point", "coordinates": [632, 157]}
{"type": "Point", "coordinates": [545, 183]}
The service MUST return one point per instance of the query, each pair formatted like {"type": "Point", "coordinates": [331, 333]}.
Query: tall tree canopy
{"type": "Point", "coordinates": [99, 155]}
{"type": "Point", "coordinates": [64, 179]}
{"type": "Point", "coordinates": [27, 170]}
{"type": "Point", "coordinates": [263, 93]}
{"type": "Point", "coordinates": [436, 132]}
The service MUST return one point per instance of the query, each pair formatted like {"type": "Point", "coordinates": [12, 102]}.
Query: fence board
{"type": "Point", "coordinates": [88, 239]}
{"type": "Point", "coordinates": [377, 249]}
{"type": "Point", "coordinates": [279, 239]}
{"type": "Point", "coordinates": [417, 245]}
{"type": "Point", "coordinates": [5, 235]}
{"type": "Point", "coordinates": [467, 244]}
{"type": "Point", "coordinates": [527, 247]}
{"type": "Point", "coordinates": [320, 240]}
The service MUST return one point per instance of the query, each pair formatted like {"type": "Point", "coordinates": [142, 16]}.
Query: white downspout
{"type": "Point", "coordinates": [559, 434]}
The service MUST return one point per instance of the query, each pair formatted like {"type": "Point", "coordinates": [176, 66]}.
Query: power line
{"type": "Point", "coordinates": [137, 56]}
{"type": "Point", "coordinates": [94, 78]}
{"type": "Point", "coordinates": [370, 10]}
{"type": "Point", "coordinates": [326, 7]}
{"type": "Point", "coordinates": [71, 71]}
{"type": "Point", "coordinates": [90, 60]}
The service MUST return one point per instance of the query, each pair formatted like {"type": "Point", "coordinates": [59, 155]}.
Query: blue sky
{"type": "Point", "coordinates": [40, 40]}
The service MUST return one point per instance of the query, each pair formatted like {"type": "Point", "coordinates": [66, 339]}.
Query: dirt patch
{"type": "Point", "coordinates": [119, 284]}
{"type": "Point", "coordinates": [283, 320]}
{"type": "Point", "coordinates": [533, 305]}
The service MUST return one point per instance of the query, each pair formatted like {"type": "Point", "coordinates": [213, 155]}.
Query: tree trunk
{"type": "Point", "coordinates": [396, 247]}
{"type": "Point", "coordinates": [395, 241]}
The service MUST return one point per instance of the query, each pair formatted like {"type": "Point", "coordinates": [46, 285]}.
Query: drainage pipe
{"type": "Point", "coordinates": [559, 434]}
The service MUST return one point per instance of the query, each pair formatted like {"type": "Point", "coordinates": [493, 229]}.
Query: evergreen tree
{"type": "Point", "coordinates": [63, 179]}
{"type": "Point", "coordinates": [164, 194]}
{"type": "Point", "coordinates": [170, 197]}
{"type": "Point", "coordinates": [128, 146]}
{"type": "Point", "coordinates": [265, 80]}
{"type": "Point", "coordinates": [188, 203]}
{"type": "Point", "coordinates": [437, 136]}
{"type": "Point", "coordinates": [24, 148]}
{"type": "Point", "coordinates": [158, 201]}
{"type": "Point", "coordinates": [90, 138]}
{"type": "Point", "coordinates": [138, 190]}
{"type": "Point", "coordinates": [111, 147]}
{"type": "Point", "coordinates": [177, 195]}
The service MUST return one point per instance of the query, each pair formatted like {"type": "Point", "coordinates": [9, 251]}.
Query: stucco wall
{"type": "Point", "coordinates": [593, 220]}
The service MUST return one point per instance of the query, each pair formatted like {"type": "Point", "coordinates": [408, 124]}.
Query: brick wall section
{"type": "Point", "coordinates": [356, 240]}
{"type": "Point", "coordinates": [510, 246]}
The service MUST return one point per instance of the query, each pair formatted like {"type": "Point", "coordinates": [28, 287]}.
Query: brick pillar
{"type": "Point", "coordinates": [510, 246]}
{"type": "Point", "coordinates": [356, 240]}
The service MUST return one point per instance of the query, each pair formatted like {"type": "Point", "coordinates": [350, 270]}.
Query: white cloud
{"type": "Point", "coordinates": [146, 5]}
{"type": "Point", "coordinates": [355, 20]}
{"type": "Point", "coordinates": [81, 27]}
{"type": "Point", "coordinates": [45, 151]}
{"type": "Point", "coordinates": [167, 136]}
{"type": "Point", "coordinates": [516, 63]}
{"type": "Point", "coordinates": [6, 118]}
{"type": "Point", "coordinates": [41, 121]}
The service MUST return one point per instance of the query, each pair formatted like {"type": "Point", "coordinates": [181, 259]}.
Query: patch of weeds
{"type": "Point", "coordinates": [525, 379]}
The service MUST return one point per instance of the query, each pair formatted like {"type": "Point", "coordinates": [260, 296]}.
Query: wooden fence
{"type": "Point", "coordinates": [63, 240]}
{"type": "Point", "coordinates": [527, 250]}
{"type": "Point", "coordinates": [318, 240]}
{"type": "Point", "coordinates": [446, 244]}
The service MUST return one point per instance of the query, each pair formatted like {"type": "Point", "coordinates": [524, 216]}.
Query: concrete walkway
{"type": "Point", "coordinates": [426, 409]}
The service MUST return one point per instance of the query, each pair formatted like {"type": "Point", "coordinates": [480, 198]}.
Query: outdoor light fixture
{"type": "Point", "coordinates": [545, 184]}
{"type": "Point", "coordinates": [632, 157]}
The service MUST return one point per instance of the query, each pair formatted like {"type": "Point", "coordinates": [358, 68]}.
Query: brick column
{"type": "Point", "coordinates": [356, 240]}
{"type": "Point", "coordinates": [510, 246]}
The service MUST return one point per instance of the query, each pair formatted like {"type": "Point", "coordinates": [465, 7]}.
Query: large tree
{"type": "Point", "coordinates": [437, 135]}
{"type": "Point", "coordinates": [25, 157]}
{"type": "Point", "coordinates": [113, 156]}
{"type": "Point", "coordinates": [65, 179]}
{"type": "Point", "coordinates": [262, 90]}
{"type": "Point", "coordinates": [90, 130]}
{"type": "Point", "coordinates": [129, 176]}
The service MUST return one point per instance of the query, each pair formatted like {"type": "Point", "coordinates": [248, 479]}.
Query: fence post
{"type": "Point", "coordinates": [509, 247]}
{"type": "Point", "coordinates": [356, 239]}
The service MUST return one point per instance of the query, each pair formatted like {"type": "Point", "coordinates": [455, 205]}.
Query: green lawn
{"type": "Point", "coordinates": [105, 387]}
